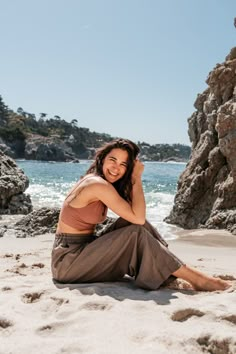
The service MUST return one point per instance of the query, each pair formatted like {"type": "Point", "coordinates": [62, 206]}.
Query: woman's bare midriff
{"type": "Point", "coordinates": [63, 228]}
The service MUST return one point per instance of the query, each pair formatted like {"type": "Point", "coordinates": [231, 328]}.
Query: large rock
{"type": "Point", "coordinates": [48, 149]}
{"type": "Point", "coordinates": [206, 195]}
{"type": "Point", "coordinates": [13, 183]}
{"type": "Point", "coordinates": [38, 222]}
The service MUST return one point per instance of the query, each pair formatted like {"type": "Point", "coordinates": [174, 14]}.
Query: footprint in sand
{"type": "Point", "coordinates": [45, 328]}
{"type": "Point", "coordinates": [184, 315]}
{"type": "Point", "coordinates": [7, 255]}
{"type": "Point", "coordinates": [49, 328]}
{"type": "Point", "coordinates": [17, 269]}
{"type": "Point", "coordinates": [59, 301]}
{"type": "Point", "coordinates": [28, 298]}
{"type": "Point", "coordinates": [230, 318]}
{"type": "Point", "coordinates": [6, 288]}
{"type": "Point", "coordinates": [38, 265]}
{"type": "Point", "coordinates": [4, 323]}
{"type": "Point", "coordinates": [95, 306]}
{"type": "Point", "coordinates": [224, 346]}
{"type": "Point", "coordinates": [22, 265]}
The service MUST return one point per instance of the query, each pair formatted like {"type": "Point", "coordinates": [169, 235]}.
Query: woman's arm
{"type": "Point", "coordinates": [137, 195]}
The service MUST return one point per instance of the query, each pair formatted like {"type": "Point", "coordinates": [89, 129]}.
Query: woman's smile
{"type": "Point", "coordinates": [113, 173]}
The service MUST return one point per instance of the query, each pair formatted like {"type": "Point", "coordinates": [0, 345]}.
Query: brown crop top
{"type": "Point", "coordinates": [84, 218]}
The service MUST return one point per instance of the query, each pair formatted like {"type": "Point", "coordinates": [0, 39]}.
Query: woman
{"type": "Point", "coordinates": [131, 245]}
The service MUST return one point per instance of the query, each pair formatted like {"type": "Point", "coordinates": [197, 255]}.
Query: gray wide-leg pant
{"type": "Point", "coordinates": [124, 248]}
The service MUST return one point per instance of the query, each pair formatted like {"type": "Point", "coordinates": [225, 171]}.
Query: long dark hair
{"type": "Point", "coordinates": [123, 185]}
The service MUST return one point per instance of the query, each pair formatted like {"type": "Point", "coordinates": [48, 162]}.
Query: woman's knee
{"type": "Point", "coordinates": [137, 230]}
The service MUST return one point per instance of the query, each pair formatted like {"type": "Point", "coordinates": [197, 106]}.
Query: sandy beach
{"type": "Point", "coordinates": [38, 316]}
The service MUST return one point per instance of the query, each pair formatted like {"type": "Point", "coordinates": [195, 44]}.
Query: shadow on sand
{"type": "Point", "coordinates": [126, 289]}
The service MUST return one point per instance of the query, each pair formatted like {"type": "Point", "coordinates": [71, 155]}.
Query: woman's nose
{"type": "Point", "coordinates": [115, 166]}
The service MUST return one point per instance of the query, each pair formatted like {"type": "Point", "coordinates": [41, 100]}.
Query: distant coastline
{"type": "Point", "coordinates": [25, 136]}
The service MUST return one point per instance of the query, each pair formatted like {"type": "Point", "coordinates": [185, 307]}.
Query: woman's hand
{"type": "Point", "coordinates": [137, 170]}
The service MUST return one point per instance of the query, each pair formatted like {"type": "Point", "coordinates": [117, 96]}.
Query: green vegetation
{"type": "Point", "coordinates": [165, 152]}
{"type": "Point", "coordinates": [21, 125]}
{"type": "Point", "coordinates": [4, 111]}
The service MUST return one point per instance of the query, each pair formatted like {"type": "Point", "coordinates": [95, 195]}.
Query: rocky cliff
{"type": "Point", "coordinates": [48, 149]}
{"type": "Point", "coordinates": [24, 136]}
{"type": "Point", "coordinates": [206, 193]}
{"type": "Point", "coordinates": [13, 183]}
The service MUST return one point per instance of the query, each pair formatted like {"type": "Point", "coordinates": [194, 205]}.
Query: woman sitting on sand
{"type": "Point", "coordinates": [131, 245]}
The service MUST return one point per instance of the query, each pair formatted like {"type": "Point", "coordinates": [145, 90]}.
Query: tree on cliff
{"type": "Point", "coordinates": [4, 112]}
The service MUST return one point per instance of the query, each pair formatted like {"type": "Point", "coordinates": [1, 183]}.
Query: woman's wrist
{"type": "Point", "coordinates": [135, 180]}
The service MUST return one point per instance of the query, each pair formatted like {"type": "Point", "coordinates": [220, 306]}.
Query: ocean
{"type": "Point", "coordinates": [50, 182]}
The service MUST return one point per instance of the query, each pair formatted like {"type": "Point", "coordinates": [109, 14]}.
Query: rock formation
{"type": "Point", "coordinates": [48, 149]}
{"type": "Point", "coordinates": [13, 183]}
{"type": "Point", "coordinates": [38, 222]}
{"type": "Point", "coordinates": [206, 194]}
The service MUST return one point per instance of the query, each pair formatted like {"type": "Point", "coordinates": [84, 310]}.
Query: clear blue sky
{"type": "Point", "coordinates": [130, 68]}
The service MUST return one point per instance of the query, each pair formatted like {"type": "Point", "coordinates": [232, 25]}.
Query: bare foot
{"type": "Point", "coordinates": [201, 281]}
{"type": "Point", "coordinates": [211, 284]}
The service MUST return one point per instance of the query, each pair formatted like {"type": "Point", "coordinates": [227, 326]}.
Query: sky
{"type": "Point", "coordinates": [128, 68]}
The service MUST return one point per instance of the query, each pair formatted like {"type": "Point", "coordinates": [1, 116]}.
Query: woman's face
{"type": "Point", "coordinates": [115, 165]}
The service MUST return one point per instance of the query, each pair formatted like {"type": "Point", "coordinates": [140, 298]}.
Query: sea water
{"type": "Point", "coordinates": [50, 182]}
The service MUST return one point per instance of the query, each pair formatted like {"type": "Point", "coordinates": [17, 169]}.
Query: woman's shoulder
{"type": "Point", "coordinates": [92, 179]}
{"type": "Point", "coordinates": [86, 185]}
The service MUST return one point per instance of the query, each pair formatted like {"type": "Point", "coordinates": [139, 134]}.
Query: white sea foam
{"type": "Point", "coordinates": [46, 195]}
{"type": "Point", "coordinates": [158, 206]}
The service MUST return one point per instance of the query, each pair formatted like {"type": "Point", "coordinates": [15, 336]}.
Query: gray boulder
{"type": "Point", "coordinates": [13, 183]}
{"type": "Point", "coordinates": [38, 222]}
{"type": "Point", "coordinates": [206, 194]}
{"type": "Point", "coordinates": [48, 149]}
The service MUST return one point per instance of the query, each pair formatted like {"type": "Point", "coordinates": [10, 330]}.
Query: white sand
{"type": "Point", "coordinates": [38, 317]}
